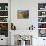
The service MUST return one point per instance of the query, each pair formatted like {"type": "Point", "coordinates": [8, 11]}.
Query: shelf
{"type": "Point", "coordinates": [42, 16]}
{"type": "Point", "coordinates": [4, 19]}
{"type": "Point", "coordinates": [41, 22]}
{"type": "Point", "coordinates": [42, 37]}
{"type": "Point", "coordinates": [3, 16]}
{"type": "Point", "coordinates": [41, 28]}
{"type": "Point", "coordinates": [3, 10]}
{"type": "Point", "coordinates": [41, 10]}
{"type": "Point", "coordinates": [3, 22]}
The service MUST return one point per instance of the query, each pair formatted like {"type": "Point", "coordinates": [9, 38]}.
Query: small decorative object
{"type": "Point", "coordinates": [43, 13]}
{"type": "Point", "coordinates": [42, 25]}
{"type": "Point", "coordinates": [41, 19]}
{"type": "Point", "coordinates": [45, 7]}
{"type": "Point", "coordinates": [43, 39]}
{"type": "Point", "coordinates": [3, 13]}
{"type": "Point", "coordinates": [6, 7]}
{"type": "Point", "coordinates": [42, 32]}
{"type": "Point", "coordinates": [23, 14]}
{"type": "Point", "coordinates": [41, 8]}
{"type": "Point", "coordinates": [31, 27]}
{"type": "Point", "coordinates": [3, 19]}
{"type": "Point", "coordinates": [4, 26]}
{"type": "Point", "coordinates": [23, 40]}
{"type": "Point", "coordinates": [0, 7]}
{"type": "Point", "coordinates": [13, 27]}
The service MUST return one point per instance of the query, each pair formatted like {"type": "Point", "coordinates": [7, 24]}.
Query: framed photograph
{"type": "Point", "coordinates": [22, 14]}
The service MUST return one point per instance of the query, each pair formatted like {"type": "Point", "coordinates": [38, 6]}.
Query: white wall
{"type": "Point", "coordinates": [3, 1]}
{"type": "Point", "coordinates": [23, 24]}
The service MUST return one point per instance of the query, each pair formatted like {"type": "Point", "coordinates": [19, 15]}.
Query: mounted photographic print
{"type": "Point", "coordinates": [22, 14]}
